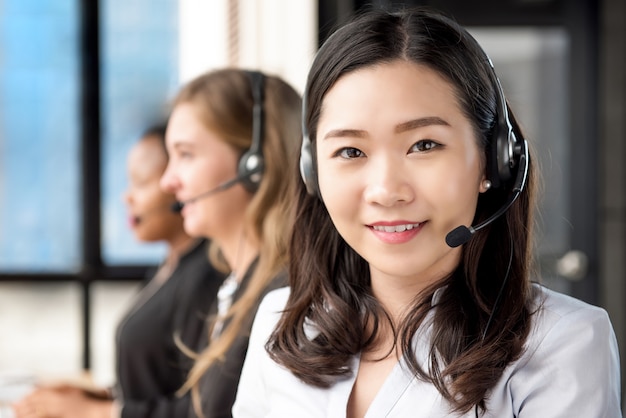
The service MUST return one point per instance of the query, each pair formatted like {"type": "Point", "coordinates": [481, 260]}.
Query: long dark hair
{"type": "Point", "coordinates": [330, 282]}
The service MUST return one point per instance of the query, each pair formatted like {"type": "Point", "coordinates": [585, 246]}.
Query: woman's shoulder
{"type": "Point", "coordinates": [269, 312]}
{"type": "Point", "coordinates": [274, 301]}
{"type": "Point", "coordinates": [566, 319]}
{"type": "Point", "coordinates": [554, 306]}
{"type": "Point", "coordinates": [571, 355]}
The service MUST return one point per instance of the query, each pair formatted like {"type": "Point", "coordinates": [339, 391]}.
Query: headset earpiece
{"type": "Point", "coordinates": [251, 163]}
{"type": "Point", "coordinates": [308, 157]}
{"type": "Point", "coordinates": [307, 166]}
{"type": "Point", "coordinates": [504, 150]}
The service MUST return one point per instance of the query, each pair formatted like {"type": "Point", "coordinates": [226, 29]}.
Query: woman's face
{"type": "Point", "coordinates": [399, 168]}
{"type": "Point", "coordinates": [201, 161]}
{"type": "Point", "coordinates": [149, 214]}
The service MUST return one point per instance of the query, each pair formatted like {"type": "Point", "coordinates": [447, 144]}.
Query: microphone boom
{"type": "Point", "coordinates": [461, 234]}
{"type": "Point", "coordinates": [179, 205]}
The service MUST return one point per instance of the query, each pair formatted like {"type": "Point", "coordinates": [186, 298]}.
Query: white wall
{"type": "Point", "coordinates": [276, 36]}
{"type": "Point", "coordinates": [41, 328]}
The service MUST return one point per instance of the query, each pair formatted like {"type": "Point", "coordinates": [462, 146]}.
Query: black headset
{"type": "Point", "coordinates": [251, 163]}
{"type": "Point", "coordinates": [308, 157]}
{"type": "Point", "coordinates": [505, 151]}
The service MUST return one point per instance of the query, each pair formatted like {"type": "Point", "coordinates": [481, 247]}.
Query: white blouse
{"type": "Point", "coordinates": [570, 368]}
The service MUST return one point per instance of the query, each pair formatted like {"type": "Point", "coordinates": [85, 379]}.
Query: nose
{"type": "Point", "coordinates": [168, 182]}
{"type": "Point", "coordinates": [127, 196]}
{"type": "Point", "coordinates": [388, 183]}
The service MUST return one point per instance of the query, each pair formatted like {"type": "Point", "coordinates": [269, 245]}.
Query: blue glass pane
{"type": "Point", "coordinates": [39, 136]}
{"type": "Point", "coordinates": [139, 70]}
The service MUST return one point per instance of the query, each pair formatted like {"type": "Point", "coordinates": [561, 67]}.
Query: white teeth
{"type": "Point", "coordinates": [395, 228]}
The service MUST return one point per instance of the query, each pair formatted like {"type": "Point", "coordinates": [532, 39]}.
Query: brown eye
{"type": "Point", "coordinates": [350, 153]}
{"type": "Point", "coordinates": [424, 145]}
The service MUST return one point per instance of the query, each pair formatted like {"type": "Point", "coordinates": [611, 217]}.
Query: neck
{"type": "Point", "coordinates": [177, 246]}
{"type": "Point", "coordinates": [397, 294]}
{"type": "Point", "coordinates": [239, 251]}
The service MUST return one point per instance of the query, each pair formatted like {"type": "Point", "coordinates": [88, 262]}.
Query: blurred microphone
{"type": "Point", "coordinates": [137, 219]}
{"type": "Point", "coordinates": [178, 206]}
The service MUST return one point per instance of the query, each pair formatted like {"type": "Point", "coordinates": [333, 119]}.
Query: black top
{"type": "Point", "coordinates": [150, 366]}
{"type": "Point", "coordinates": [218, 386]}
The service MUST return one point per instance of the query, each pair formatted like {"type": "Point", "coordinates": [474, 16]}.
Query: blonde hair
{"type": "Point", "coordinates": [224, 101]}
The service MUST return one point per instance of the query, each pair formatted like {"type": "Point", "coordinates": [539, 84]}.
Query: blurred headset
{"type": "Point", "coordinates": [251, 163]}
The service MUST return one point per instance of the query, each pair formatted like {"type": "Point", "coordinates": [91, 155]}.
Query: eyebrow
{"type": "Point", "coordinates": [403, 127]}
{"type": "Point", "coordinates": [181, 143]}
{"type": "Point", "coordinates": [420, 123]}
{"type": "Point", "coordinates": [342, 133]}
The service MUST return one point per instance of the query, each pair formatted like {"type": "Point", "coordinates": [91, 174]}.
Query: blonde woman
{"type": "Point", "coordinates": [233, 141]}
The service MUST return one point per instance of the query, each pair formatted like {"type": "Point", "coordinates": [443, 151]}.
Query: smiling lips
{"type": "Point", "coordinates": [396, 233]}
{"type": "Point", "coordinates": [395, 228]}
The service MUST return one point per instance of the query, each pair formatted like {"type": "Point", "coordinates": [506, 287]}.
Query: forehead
{"type": "Point", "coordinates": [400, 84]}
{"type": "Point", "coordinates": [189, 131]}
{"type": "Point", "coordinates": [147, 157]}
{"type": "Point", "coordinates": [185, 124]}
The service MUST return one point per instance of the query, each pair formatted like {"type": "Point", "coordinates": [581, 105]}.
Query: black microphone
{"type": "Point", "coordinates": [461, 234]}
{"type": "Point", "coordinates": [178, 206]}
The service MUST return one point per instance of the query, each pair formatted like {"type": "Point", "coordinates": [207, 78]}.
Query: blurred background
{"type": "Point", "coordinates": [81, 79]}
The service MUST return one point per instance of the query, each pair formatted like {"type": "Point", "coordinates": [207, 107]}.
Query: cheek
{"type": "Point", "coordinates": [343, 203]}
{"type": "Point", "coordinates": [218, 215]}
{"type": "Point", "coordinates": [155, 194]}
{"type": "Point", "coordinates": [337, 193]}
{"type": "Point", "coordinates": [454, 192]}
{"type": "Point", "coordinates": [143, 199]}
{"type": "Point", "coordinates": [453, 188]}
{"type": "Point", "coordinates": [196, 179]}
{"type": "Point", "coordinates": [213, 172]}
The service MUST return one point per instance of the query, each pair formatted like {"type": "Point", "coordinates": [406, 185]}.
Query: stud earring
{"type": "Point", "coordinates": [486, 185]}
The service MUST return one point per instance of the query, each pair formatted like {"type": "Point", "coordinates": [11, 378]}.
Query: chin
{"type": "Point", "coordinates": [192, 228]}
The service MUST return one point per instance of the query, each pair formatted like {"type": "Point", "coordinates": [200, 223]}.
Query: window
{"type": "Point", "coordinates": [139, 73]}
{"type": "Point", "coordinates": [39, 136]}
{"type": "Point", "coordinates": [79, 82]}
